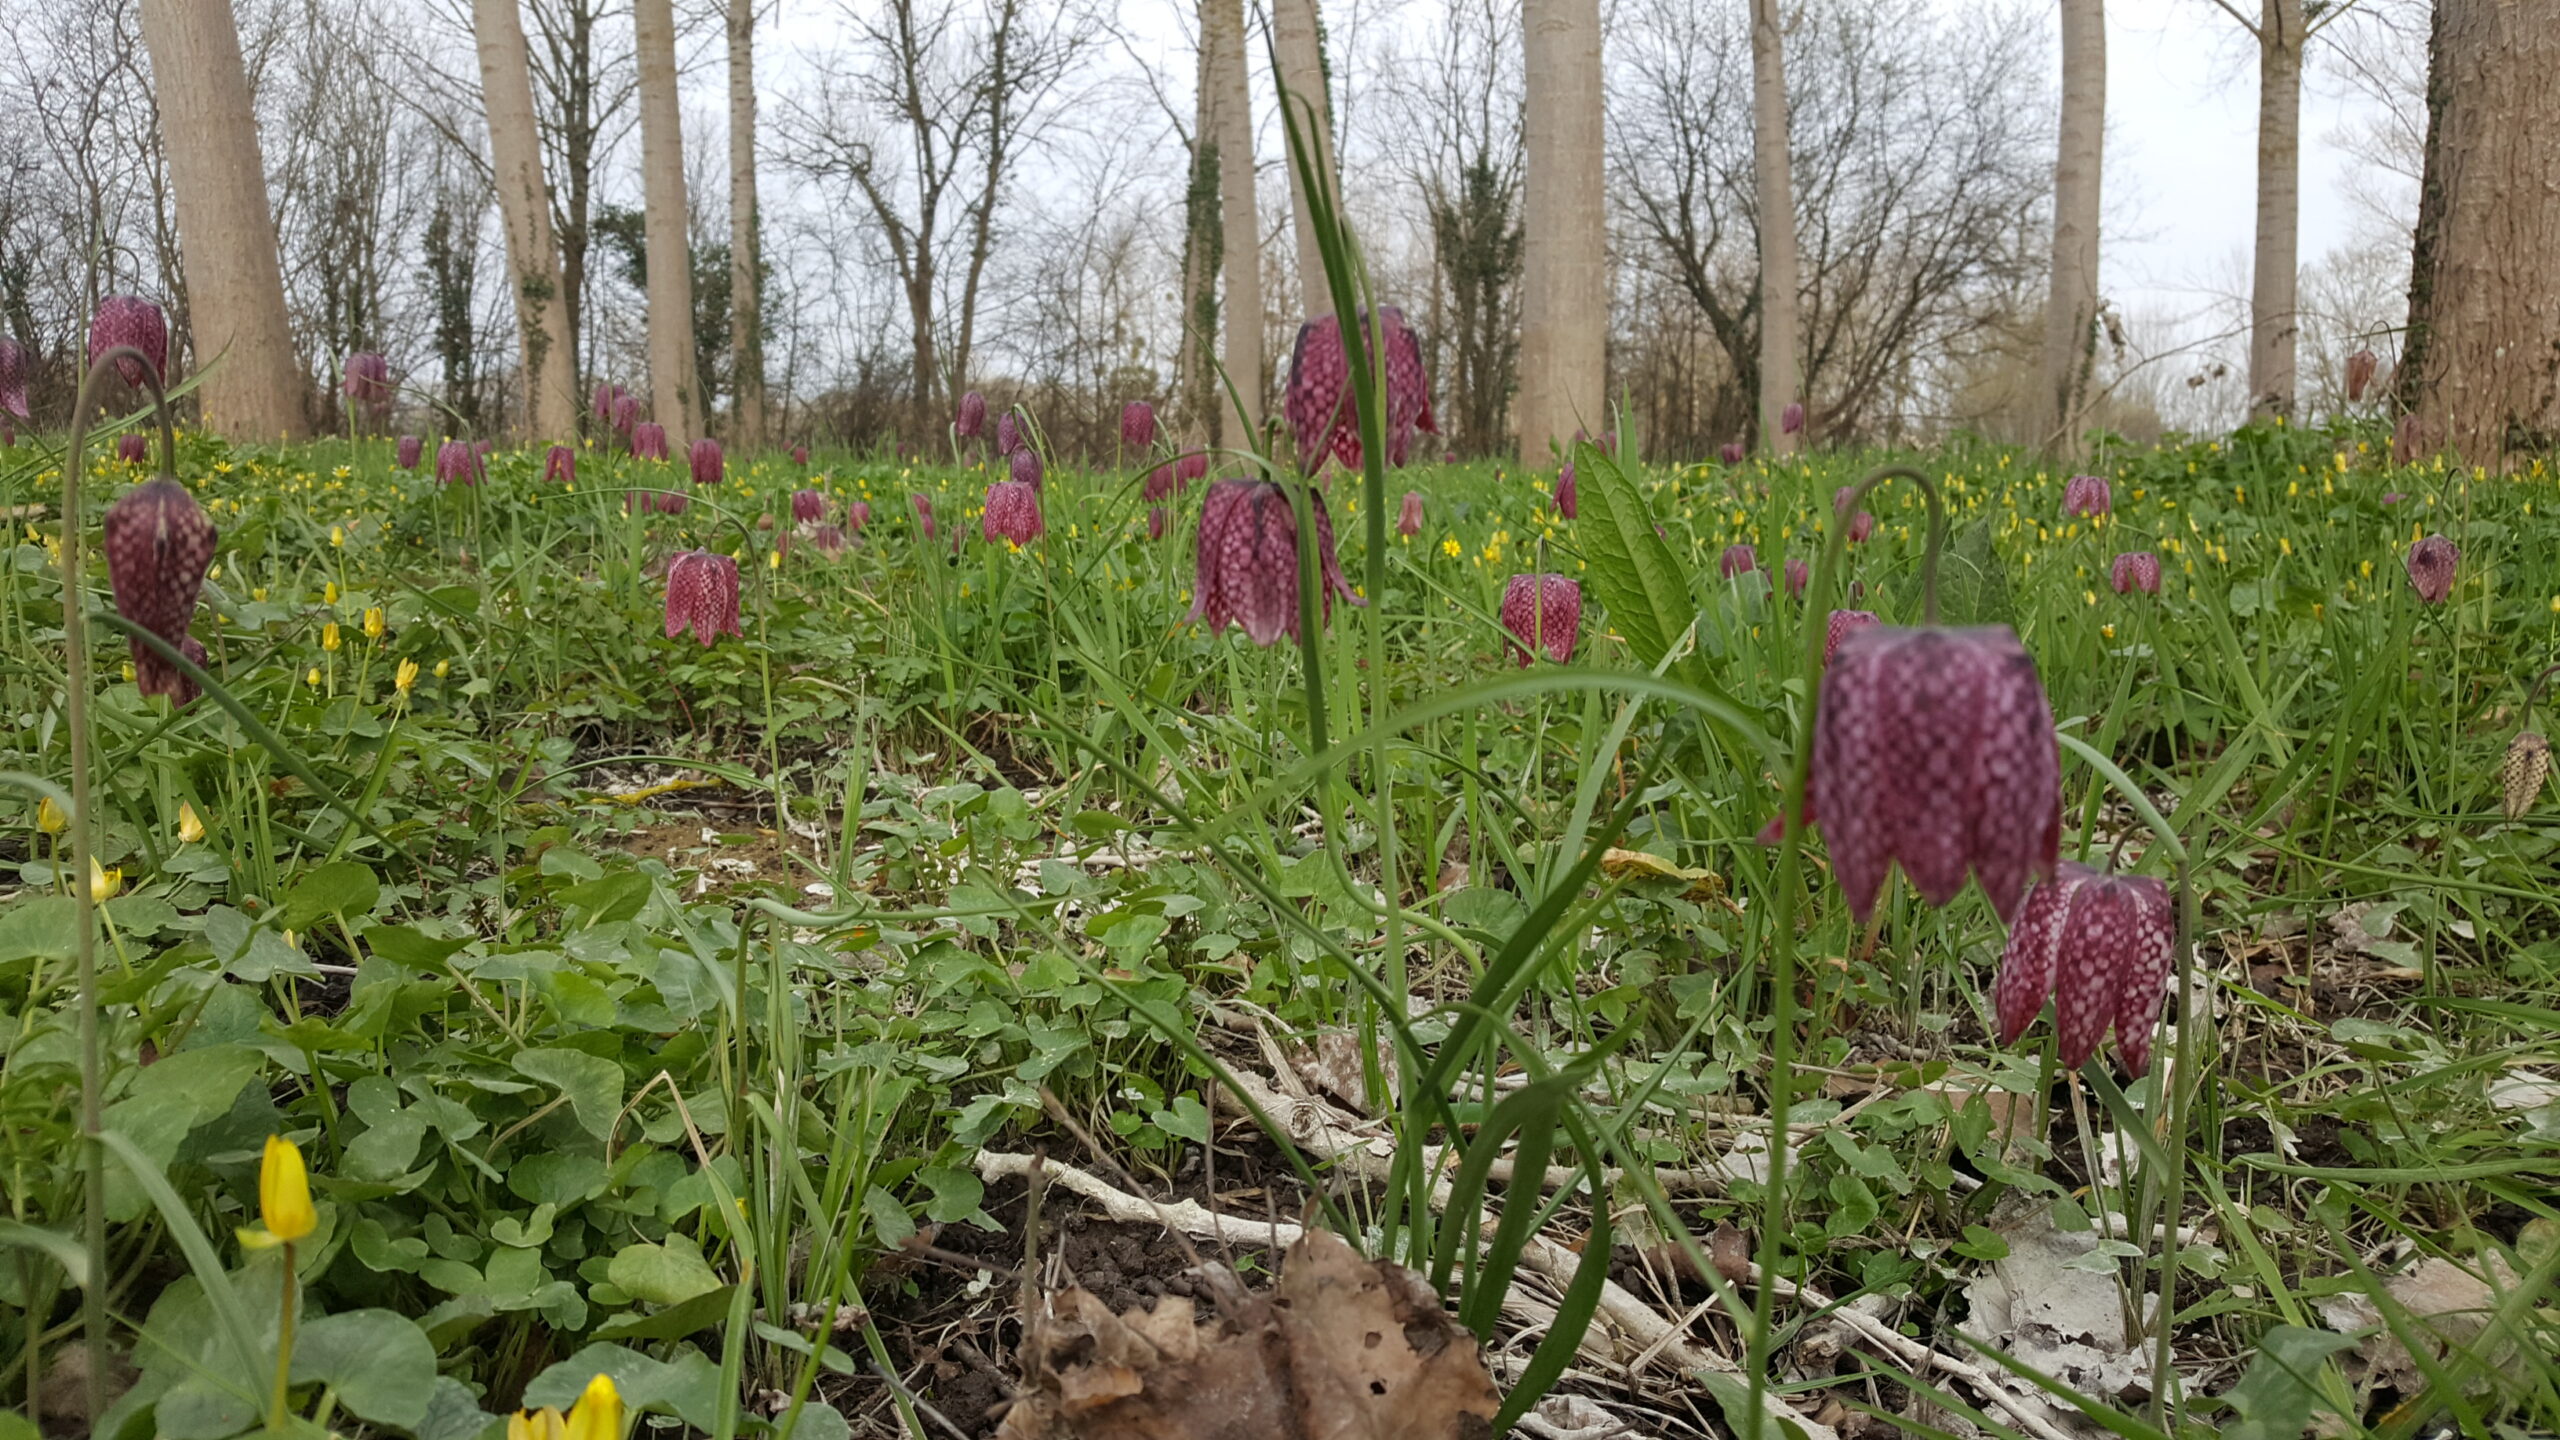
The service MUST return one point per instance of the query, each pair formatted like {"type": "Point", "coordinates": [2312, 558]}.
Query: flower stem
{"type": "Point", "coordinates": [279, 1401]}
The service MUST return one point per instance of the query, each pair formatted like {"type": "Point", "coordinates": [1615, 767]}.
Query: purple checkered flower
{"type": "Point", "coordinates": [560, 466]}
{"type": "Point", "coordinates": [128, 320]}
{"type": "Point", "coordinates": [1319, 401]}
{"type": "Point", "coordinates": [2101, 946]}
{"type": "Point", "coordinates": [808, 506]}
{"type": "Point", "coordinates": [924, 510]}
{"type": "Point", "coordinates": [626, 416]}
{"type": "Point", "coordinates": [368, 380]}
{"type": "Point", "coordinates": [829, 540]}
{"type": "Point", "coordinates": [1409, 517]}
{"type": "Point", "coordinates": [648, 441]}
{"type": "Point", "coordinates": [159, 543]}
{"type": "Point", "coordinates": [1161, 484]}
{"type": "Point", "coordinates": [704, 458]}
{"type": "Point", "coordinates": [1137, 425]}
{"type": "Point", "coordinates": [2360, 370]}
{"type": "Point", "coordinates": [607, 399]}
{"type": "Point", "coordinates": [2136, 570]}
{"type": "Point", "coordinates": [1791, 419]}
{"type": "Point", "coordinates": [2431, 565]}
{"type": "Point", "coordinates": [1158, 521]}
{"type": "Point", "coordinates": [972, 418]}
{"type": "Point", "coordinates": [15, 364]}
{"type": "Point", "coordinates": [800, 456]}
{"type": "Point", "coordinates": [1542, 612]}
{"type": "Point", "coordinates": [2086, 495]}
{"type": "Point", "coordinates": [1025, 467]}
{"type": "Point", "coordinates": [1568, 499]}
{"type": "Point", "coordinates": [458, 463]}
{"type": "Point", "coordinates": [1248, 561]}
{"type": "Point", "coordinates": [1194, 466]}
{"type": "Point", "coordinates": [1836, 628]}
{"type": "Point", "coordinates": [857, 515]}
{"type": "Point", "coordinates": [1798, 576]}
{"type": "Point", "coordinates": [1008, 433]}
{"type": "Point", "coordinates": [408, 452]}
{"type": "Point", "coordinates": [1738, 559]}
{"type": "Point", "coordinates": [1934, 749]}
{"type": "Point", "coordinates": [1733, 452]}
{"type": "Point", "coordinates": [1013, 512]}
{"type": "Point", "coordinates": [132, 449]}
{"type": "Point", "coordinates": [702, 595]}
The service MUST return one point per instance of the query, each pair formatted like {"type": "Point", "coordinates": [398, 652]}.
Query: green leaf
{"type": "Point", "coordinates": [453, 1413]}
{"type": "Point", "coordinates": [45, 928]}
{"type": "Point", "coordinates": [344, 889]}
{"type": "Point", "coordinates": [62, 1249]}
{"type": "Point", "coordinates": [1633, 573]}
{"type": "Point", "coordinates": [667, 1274]}
{"type": "Point", "coordinates": [675, 1322]}
{"type": "Point", "coordinates": [957, 1193]}
{"type": "Point", "coordinates": [592, 1083]}
{"type": "Point", "coordinates": [687, 1387]}
{"type": "Point", "coordinates": [2282, 1388]}
{"type": "Point", "coordinates": [380, 1363]}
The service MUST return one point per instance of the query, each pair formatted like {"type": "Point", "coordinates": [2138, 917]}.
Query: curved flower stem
{"type": "Point", "coordinates": [2524, 720]}
{"type": "Point", "coordinates": [1818, 596]}
{"type": "Point", "coordinates": [2181, 1082]}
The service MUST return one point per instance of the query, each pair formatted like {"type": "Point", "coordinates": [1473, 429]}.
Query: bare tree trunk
{"type": "Point", "coordinates": [746, 248]}
{"type": "Point", "coordinates": [2071, 309]}
{"type": "Point", "coordinates": [1779, 330]}
{"type": "Point", "coordinates": [1299, 38]}
{"type": "Point", "coordinates": [1230, 127]}
{"type": "Point", "coordinates": [1564, 281]}
{"type": "Point", "coordinates": [674, 394]}
{"type": "Point", "coordinates": [524, 205]}
{"type": "Point", "coordinates": [1195, 374]}
{"type": "Point", "coordinates": [2482, 370]}
{"type": "Point", "coordinates": [227, 235]}
{"type": "Point", "coordinates": [2274, 318]}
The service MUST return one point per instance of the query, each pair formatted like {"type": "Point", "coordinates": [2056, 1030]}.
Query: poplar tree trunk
{"type": "Point", "coordinates": [2274, 315]}
{"type": "Point", "coordinates": [2071, 309]}
{"type": "Point", "coordinates": [2482, 368]}
{"type": "Point", "coordinates": [1779, 332]}
{"type": "Point", "coordinates": [1230, 124]}
{"type": "Point", "coordinates": [550, 360]}
{"type": "Point", "coordinates": [746, 247]}
{"type": "Point", "coordinates": [674, 397]}
{"type": "Point", "coordinates": [1564, 281]}
{"type": "Point", "coordinates": [1195, 377]}
{"type": "Point", "coordinates": [226, 233]}
{"type": "Point", "coordinates": [1299, 38]}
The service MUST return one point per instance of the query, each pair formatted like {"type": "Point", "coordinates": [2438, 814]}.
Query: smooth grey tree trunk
{"type": "Point", "coordinates": [1229, 116]}
{"type": "Point", "coordinates": [1780, 340]}
{"type": "Point", "coordinates": [746, 245]}
{"type": "Point", "coordinates": [2274, 305]}
{"type": "Point", "coordinates": [549, 361]}
{"type": "Point", "coordinates": [1299, 38]}
{"type": "Point", "coordinates": [675, 398]}
{"type": "Point", "coordinates": [1564, 278]}
{"type": "Point", "coordinates": [2071, 308]}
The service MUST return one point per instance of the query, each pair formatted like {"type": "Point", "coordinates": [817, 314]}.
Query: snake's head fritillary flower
{"type": "Point", "coordinates": [1798, 576]}
{"type": "Point", "coordinates": [2136, 570]}
{"type": "Point", "coordinates": [648, 440]}
{"type": "Point", "coordinates": [808, 506]}
{"type": "Point", "coordinates": [2101, 945]}
{"type": "Point", "coordinates": [15, 364]}
{"type": "Point", "coordinates": [1013, 512]}
{"type": "Point", "coordinates": [1409, 516]}
{"type": "Point", "coordinates": [2392, 497]}
{"type": "Point", "coordinates": [132, 449]}
{"type": "Point", "coordinates": [800, 456]}
{"type": "Point", "coordinates": [1933, 748]}
{"type": "Point", "coordinates": [1733, 452]}
{"type": "Point", "coordinates": [702, 595]}
{"type": "Point", "coordinates": [924, 511]}
{"type": "Point", "coordinates": [1158, 521]}
{"type": "Point", "coordinates": [2360, 371]}
{"type": "Point", "coordinates": [1738, 559]}
{"type": "Point", "coordinates": [1319, 402]}
{"type": "Point", "coordinates": [411, 449]}
{"type": "Point", "coordinates": [457, 463]}
{"type": "Point", "coordinates": [1025, 467]}
{"type": "Point", "coordinates": [704, 458]}
{"type": "Point", "coordinates": [1836, 627]}
{"type": "Point", "coordinates": [1160, 484]}
{"type": "Point", "coordinates": [2431, 565]}
{"type": "Point", "coordinates": [130, 320]}
{"type": "Point", "coordinates": [1568, 498]}
{"type": "Point", "coordinates": [560, 465]}
{"type": "Point", "coordinates": [2086, 495]}
{"type": "Point", "coordinates": [1137, 425]}
{"type": "Point", "coordinates": [857, 515]}
{"type": "Point", "coordinates": [626, 419]}
{"type": "Point", "coordinates": [972, 419]}
{"type": "Point", "coordinates": [1188, 468]}
{"type": "Point", "coordinates": [1861, 525]}
{"type": "Point", "coordinates": [159, 544]}
{"type": "Point", "coordinates": [829, 540]}
{"type": "Point", "coordinates": [1543, 613]}
{"type": "Point", "coordinates": [1008, 434]}
{"type": "Point", "coordinates": [1791, 419]}
{"type": "Point", "coordinates": [368, 379]}
{"type": "Point", "coordinates": [1408, 386]}
{"type": "Point", "coordinates": [2520, 775]}
{"type": "Point", "coordinates": [1248, 560]}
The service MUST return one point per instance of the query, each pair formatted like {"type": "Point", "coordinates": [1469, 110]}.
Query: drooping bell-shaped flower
{"type": "Point", "coordinates": [1024, 466]}
{"type": "Point", "coordinates": [560, 466]}
{"type": "Point", "coordinates": [132, 448]}
{"type": "Point", "coordinates": [702, 595]}
{"type": "Point", "coordinates": [606, 400]}
{"type": "Point", "coordinates": [648, 441]}
{"type": "Point", "coordinates": [1791, 419]}
{"type": "Point", "coordinates": [368, 379]}
{"type": "Point", "coordinates": [1862, 524]}
{"type": "Point", "coordinates": [131, 320]}
{"type": "Point", "coordinates": [2136, 570]}
{"type": "Point", "coordinates": [457, 463]}
{"type": "Point", "coordinates": [1733, 452]}
{"type": "Point", "coordinates": [1159, 520]}
{"type": "Point", "coordinates": [828, 540]}
{"type": "Point", "coordinates": [1194, 466]}
{"type": "Point", "coordinates": [972, 418]}
{"type": "Point", "coordinates": [159, 543]}
{"type": "Point", "coordinates": [1159, 484]}
{"type": "Point", "coordinates": [1248, 561]}
{"type": "Point", "coordinates": [703, 457]}
{"type": "Point", "coordinates": [1737, 559]}
{"type": "Point", "coordinates": [800, 456]}
{"type": "Point", "coordinates": [409, 452]}
{"type": "Point", "coordinates": [924, 511]}
{"type": "Point", "coordinates": [2101, 945]}
{"type": "Point", "coordinates": [808, 506]}
{"type": "Point", "coordinates": [2392, 497]}
{"type": "Point", "coordinates": [1008, 434]}
{"type": "Point", "coordinates": [1934, 749]}
{"type": "Point", "coordinates": [2360, 370]}
{"type": "Point", "coordinates": [2521, 773]}
{"type": "Point", "coordinates": [1836, 628]}
{"type": "Point", "coordinates": [2086, 495]}
{"type": "Point", "coordinates": [1322, 415]}
{"type": "Point", "coordinates": [626, 416]}
{"type": "Point", "coordinates": [2431, 565]}
{"type": "Point", "coordinates": [1409, 516]}
{"type": "Point", "coordinates": [1798, 576]}
{"type": "Point", "coordinates": [14, 367]}
{"type": "Point", "coordinates": [1013, 512]}
{"type": "Point", "coordinates": [1543, 613]}
{"type": "Point", "coordinates": [656, 502]}
{"type": "Point", "coordinates": [1568, 498]}
{"type": "Point", "coordinates": [1137, 425]}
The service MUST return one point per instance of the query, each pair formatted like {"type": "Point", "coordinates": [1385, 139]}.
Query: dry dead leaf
{"type": "Point", "coordinates": [2440, 1295]}
{"type": "Point", "coordinates": [2065, 1321]}
{"type": "Point", "coordinates": [1334, 1065]}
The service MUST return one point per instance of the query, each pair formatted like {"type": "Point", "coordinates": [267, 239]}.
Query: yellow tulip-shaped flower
{"type": "Point", "coordinates": [405, 677]}
{"type": "Point", "coordinates": [104, 884]}
{"type": "Point", "coordinates": [443, 668]}
{"type": "Point", "coordinates": [190, 824]}
{"type": "Point", "coordinates": [329, 638]}
{"type": "Point", "coordinates": [329, 593]}
{"type": "Point", "coordinates": [373, 624]}
{"type": "Point", "coordinates": [542, 1424]}
{"type": "Point", "coordinates": [598, 1413]}
{"type": "Point", "coordinates": [284, 1191]}
{"type": "Point", "coordinates": [49, 817]}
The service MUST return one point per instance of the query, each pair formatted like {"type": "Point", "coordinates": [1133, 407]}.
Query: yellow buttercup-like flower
{"type": "Point", "coordinates": [337, 536]}
{"type": "Point", "coordinates": [598, 1413]}
{"type": "Point", "coordinates": [329, 593]}
{"type": "Point", "coordinates": [104, 884]}
{"type": "Point", "coordinates": [443, 668]}
{"type": "Point", "coordinates": [190, 824]}
{"type": "Point", "coordinates": [542, 1424]}
{"type": "Point", "coordinates": [405, 677]}
{"type": "Point", "coordinates": [373, 623]}
{"type": "Point", "coordinates": [329, 638]}
{"type": "Point", "coordinates": [311, 677]}
{"type": "Point", "coordinates": [49, 817]}
{"type": "Point", "coordinates": [284, 1192]}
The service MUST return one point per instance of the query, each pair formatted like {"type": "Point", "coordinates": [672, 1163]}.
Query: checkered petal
{"type": "Point", "coordinates": [702, 596]}
{"type": "Point", "coordinates": [1013, 512]}
{"type": "Point", "coordinates": [159, 543]}
{"type": "Point", "coordinates": [1137, 425]}
{"type": "Point", "coordinates": [1852, 764]}
{"type": "Point", "coordinates": [14, 365]}
{"type": "Point", "coordinates": [2140, 947]}
{"type": "Point", "coordinates": [2136, 570]}
{"type": "Point", "coordinates": [129, 320]}
{"type": "Point", "coordinates": [410, 450]}
{"type": "Point", "coordinates": [2016, 793]}
{"type": "Point", "coordinates": [972, 418]}
{"type": "Point", "coordinates": [1568, 497]}
{"type": "Point", "coordinates": [2431, 563]}
{"type": "Point", "coordinates": [1542, 613]}
{"type": "Point", "coordinates": [2027, 965]}
{"type": "Point", "coordinates": [808, 506]}
{"type": "Point", "coordinates": [1319, 394]}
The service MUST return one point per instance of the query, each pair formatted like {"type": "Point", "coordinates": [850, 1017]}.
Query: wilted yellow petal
{"type": "Point", "coordinates": [284, 1191]}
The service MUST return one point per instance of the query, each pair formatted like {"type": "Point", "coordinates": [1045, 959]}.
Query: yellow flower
{"type": "Point", "coordinates": [2285, 543]}
{"type": "Point", "coordinates": [51, 820]}
{"type": "Point", "coordinates": [329, 639]}
{"type": "Point", "coordinates": [104, 884]}
{"type": "Point", "coordinates": [329, 593]}
{"type": "Point", "coordinates": [190, 824]}
{"type": "Point", "coordinates": [443, 668]}
{"type": "Point", "coordinates": [338, 537]}
{"type": "Point", "coordinates": [373, 624]}
{"type": "Point", "coordinates": [284, 1191]}
{"type": "Point", "coordinates": [258, 593]}
{"type": "Point", "coordinates": [2367, 569]}
{"type": "Point", "coordinates": [311, 677]}
{"type": "Point", "coordinates": [405, 677]}
{"type": "Point", "coordinates": [2107, 630]}
{"type": "Point", "coordinates": [598, 1413]}
{"type": "Point", "coordinates": [542, 1424]}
